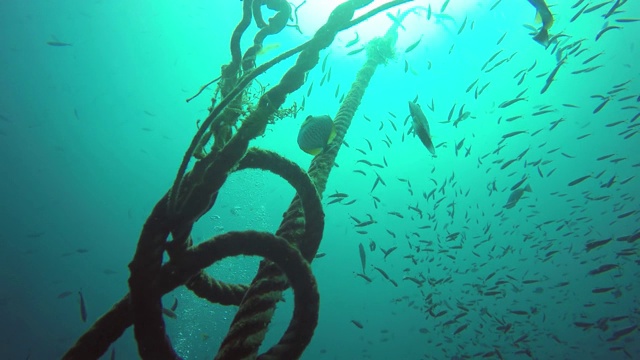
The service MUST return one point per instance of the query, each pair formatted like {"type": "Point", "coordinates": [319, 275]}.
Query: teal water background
{"type": "Point", "coordinates": [91, 136]}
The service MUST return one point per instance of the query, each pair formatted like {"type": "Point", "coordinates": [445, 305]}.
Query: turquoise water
{"type": "Point", "coordinates": [92, 134]}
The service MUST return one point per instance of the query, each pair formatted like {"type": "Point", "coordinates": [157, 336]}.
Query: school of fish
{"type": "Point", "coordinates": [423, 248]}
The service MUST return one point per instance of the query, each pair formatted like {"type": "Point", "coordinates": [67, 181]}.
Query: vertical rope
{"type": "Point", "coordinates": [249, 326]}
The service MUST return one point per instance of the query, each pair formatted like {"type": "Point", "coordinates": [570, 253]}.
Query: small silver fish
{"type": "Point", "coordinates": [58, 43]}
{"type": "Point", "coordinates": [169, 313]}
{"type": "Point", "coordinates": [363, 257]}
{"type": "Point", "coordinates": [83, 308]}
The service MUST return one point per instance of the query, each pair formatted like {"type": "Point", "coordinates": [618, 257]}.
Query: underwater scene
{"type": "Point", "coordinates": [316, 179]}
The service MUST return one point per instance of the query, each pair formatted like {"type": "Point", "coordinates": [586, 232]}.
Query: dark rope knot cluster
{"type": "Point", "coordinates": [287, 253]}
{"type": "Point", "coordinates": [148, 282]}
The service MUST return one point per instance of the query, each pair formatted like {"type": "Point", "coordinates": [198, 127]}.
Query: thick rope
{"type": "Point", "coordinates": [95, 342]}
{"type": "Point", "coordinates": [196, 194]}
{"type": "Point", "coordinates": [269, 282]}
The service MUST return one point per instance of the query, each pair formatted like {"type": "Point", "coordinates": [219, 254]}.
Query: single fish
{"type": "Point", "coordinates": [577, 4]}
{"type": "Point", "coordinates": [513, 133]}
{"type": "Point", "coordinates": [58, 43]}
{"type": "Point", "coordinates": [368, 279]}
{"type": "Point", "coordinates": [603, 268]}
{"type": "Point", "coordinates": [592, 58]}
{"type": "Point", "coordinates": [64, 294]}
{"type": "Point", "coordinates": [388, 251]}
{"type": "Point", "coordinates": [578, 13]}
{"type": "Point", "coordinates": [552, 76]}
{"type": "Point", "coordinates": [310, 88]}
{"type": "Point", "coordinates": [602, 104]}
{"type": "Point", "coordinates": [515, 197]}
{"type": "Point", "coordinates": [627, 214]}
{"type": "Point", "coordinates": [579, 180]}
{"type": "Point", "coordinates": [543, 14]}
{"type": "Point", "coordinates": [169, 313]}
{"type": "Point", "coordinates": [501, 38]}
{"type": "Point", "coordinates": [316, 133]}
{"type": "Point", "coordinates": [597, 6]}
{"type": "Point", "coordinates": [464, 23]}
{"type": "Point", "coordinates": [507, 163]}
{"type": "Point", "coordinates": [444, 6]}
{"type": "Point", "coordinates": [414, 280]}
{"type": "Point", "coordinates": [414, 45]}
{"type": "Point", "coordinates": [382, 272]}
{"type": "Point", "coordinates": [421, 127]}
{"type": "Point", "coordinates": [354, 41]}
{"type": "Point", "coordinates": [83, 308]}
{"type": "Point", "coordinates": [451, 112]}
{"type": "Point", "coordinates": [363, 257]}
{"type": "Point", "coordinates": [519, 312]}
{"type": "Point", "coordinates": [365, 223]}
{"type": "Point", "coordinates": [353, 52]}
{"type": "Point", "coordinates": [620, 333]}
{"type": "Point", "coordinates": [508, 103]}
{"type": "Point", "coordinates": [324, 62]}
{"type": "Point", "coordinates": [472, 85]}
{"type": "Point", "coordinates": [584, 325]}
{"type": "Point", "coordinates": [460, 329]}
{"type": "Point", "coordinates": [602, 290]}
{"type": "Point", "coordinates": [267, 49]}
{"type": "Point", "coordinates": [605, 30]}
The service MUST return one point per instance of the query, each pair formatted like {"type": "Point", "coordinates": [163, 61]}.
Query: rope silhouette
{"type": "Point", "coordinates": [287, 253]}
{"type": "Point", "coordinates": [269, 282]}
